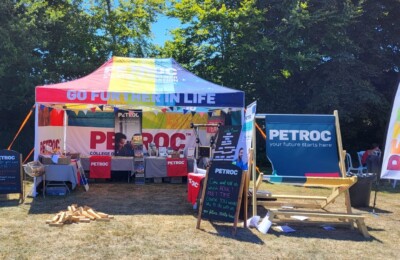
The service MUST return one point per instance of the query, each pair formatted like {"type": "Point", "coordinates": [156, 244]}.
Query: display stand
{"type": "Point", "coordinates": [138, 160]}
{"type": "Point", "coordinates": [201, 149]}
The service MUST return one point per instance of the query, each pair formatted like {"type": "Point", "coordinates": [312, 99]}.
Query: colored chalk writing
{"type": "Point", "coordinates": [10, 172]}
{"type": "Point", "coordinates": [221, 197]}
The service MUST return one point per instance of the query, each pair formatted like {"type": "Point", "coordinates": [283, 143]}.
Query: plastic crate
{"type": "Point", "coordinates": [56, 191]}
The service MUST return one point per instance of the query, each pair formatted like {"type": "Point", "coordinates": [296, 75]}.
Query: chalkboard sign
{"type": "Point", "coordinates": [222, 193]}
{"type": "Point", "coordinates": [10, 172]}
{"type": "Point", "coordinates": [227, 141]}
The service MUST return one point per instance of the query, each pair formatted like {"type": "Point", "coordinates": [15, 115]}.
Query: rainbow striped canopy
{"type": "Point", "coordinates": [140, 82]}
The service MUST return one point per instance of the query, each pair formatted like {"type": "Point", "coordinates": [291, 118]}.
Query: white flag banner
{"type": "Point", "coordinates": [249, 122]}
{"type": "Point", "coordinates": [391, 159]}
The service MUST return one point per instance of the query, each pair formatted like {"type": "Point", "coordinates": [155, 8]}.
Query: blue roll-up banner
{"type": "Point", "coordinates": [302, 145]}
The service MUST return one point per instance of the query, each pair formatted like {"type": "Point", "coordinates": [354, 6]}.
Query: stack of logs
{"type": "Point", "coordinates": [76, 214]}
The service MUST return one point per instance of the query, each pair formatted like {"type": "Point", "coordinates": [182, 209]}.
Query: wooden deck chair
{"type": "Point", "coordinates": [307, 150]}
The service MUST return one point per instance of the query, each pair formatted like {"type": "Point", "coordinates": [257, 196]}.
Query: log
{"type": "Point", "coordinates": [84, 220]}
{"type": "Point", "coordinates": [103, 219]}
{"type": "Point", "coordinates": [75, 219]}
{"type": "Point", "coordinates": [102, 215]}
{"type": "Point", "coordinates": [94, 214]}
{"type": "Point", "coordinates": [56, 224]}
{"type": "Point", "coordinates": [75, 214]}
{"type": "Point", "coordinates": [86, 214]}
{"type": "Point", "coordinates": [55, 218]}
{"type": "Point", "coordinates": [62, 218]}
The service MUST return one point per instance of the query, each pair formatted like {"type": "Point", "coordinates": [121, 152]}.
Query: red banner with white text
{"type": "Point", "coordinates": [176, 167]}
{"type": "Point", "coordinates": [100, 167]}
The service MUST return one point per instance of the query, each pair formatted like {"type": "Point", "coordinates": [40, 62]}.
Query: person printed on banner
{"type": "Point", "coordinates": [122, 148]}
{"type": "Point", "coordinates": [239, 160]}
{"type": "Point", "coordinates": [371, 158]}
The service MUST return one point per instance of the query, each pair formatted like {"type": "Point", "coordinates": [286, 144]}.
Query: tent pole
{"type": "Point", "coordinates": [36, 145]}
{"type": "Point", "coordinates": [253, 170]}
{"type": "Point", "coordinates": [65, 131]}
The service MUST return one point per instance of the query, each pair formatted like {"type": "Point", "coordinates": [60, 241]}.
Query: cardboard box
{"type": "Point", "coordinates": [75, 156]}
{"type": "Point", "coordinates": [64, 160]}
{"type": "Point", "coordinates": [46, 159]}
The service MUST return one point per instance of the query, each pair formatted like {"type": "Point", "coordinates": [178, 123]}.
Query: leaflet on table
{"type": "Point", "coordinates": [162, 151]}
{"type": "Point", "coordinates": [190, 152]}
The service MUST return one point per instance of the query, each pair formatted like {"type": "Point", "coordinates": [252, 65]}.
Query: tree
{"type": "Point", "coordinates": [297, 56]}
{"type": "Point", "coordinates": [17, 71]}
{"type": "Point", "coordinates": [53, 41]}
{"type": "Point", "coordinates": [126, 25]}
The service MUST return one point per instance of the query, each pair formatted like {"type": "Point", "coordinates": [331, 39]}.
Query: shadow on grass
{"type": "Point", "coordinates": [226, 230]}
{"type": "Point", "coordinates": [120, 199]}
{"type": "Point", "coordinates": [4, 202]}
{"type": "Point", "coordinates": [374, 211]}
{"type": "Point", "coordinates": [386, 187]}
{"type": "Point", "coordinates": [339, 233]}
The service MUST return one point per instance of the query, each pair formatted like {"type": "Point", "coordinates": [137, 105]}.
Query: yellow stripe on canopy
{"type": "Point", "coordinates": [132, 76]}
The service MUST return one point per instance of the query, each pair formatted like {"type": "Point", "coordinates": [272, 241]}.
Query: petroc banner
{"type": "Point", "coordinates": [391, 158]}
{"type": "Point", "coordinates": [100, 141]}
{"type": "Point", "coordinates": [50, 138]}
{"type": "Point", "coordinates": [94, 133]}
{"type": "Point", "coordinates": [302, 145]}
{"type": "Point", "coordinates": [90, 140]}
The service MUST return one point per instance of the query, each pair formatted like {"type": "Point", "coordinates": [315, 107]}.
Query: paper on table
{"type": "Point", "coordinates": [302, 218]}
{"type": "Point", "coordinates": [285, 229]}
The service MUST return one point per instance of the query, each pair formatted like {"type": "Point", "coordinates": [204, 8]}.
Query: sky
{"type": "Point", "coordinates": [161, 27]}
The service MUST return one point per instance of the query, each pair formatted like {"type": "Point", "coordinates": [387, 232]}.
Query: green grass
{"type": "Point", "coordinates": [155, 221]}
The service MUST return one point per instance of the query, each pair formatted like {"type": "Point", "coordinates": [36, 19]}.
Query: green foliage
{"type": "Point", "coordinates": [125, 25]}
{"type": "Point", "coordinates": [47, 42]}
{"type": "Point", "coordinates": [292, 56]}
{"type": "Point", "coordinates": [18, 64]}
{"type": "Point", "coordinates": [298, 56]}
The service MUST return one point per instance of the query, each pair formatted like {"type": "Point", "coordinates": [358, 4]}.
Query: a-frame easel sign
{"type": "Point", "coordinates": [222, 193]}
{"type": "Point", "coordinates": [11, 179]}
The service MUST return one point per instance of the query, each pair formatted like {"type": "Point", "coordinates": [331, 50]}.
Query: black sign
{"type": "Point", "coordinates": [10, 172]}
{"type": "Point", "coordinates": [227, 141]}
{"type": "Point", "coordinates": [223, 187]}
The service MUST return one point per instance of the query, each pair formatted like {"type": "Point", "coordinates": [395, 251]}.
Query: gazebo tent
{"type": "Point", "coordinates": [146, 82]}
{"type": "Point", "coordinates": [130, 83]}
